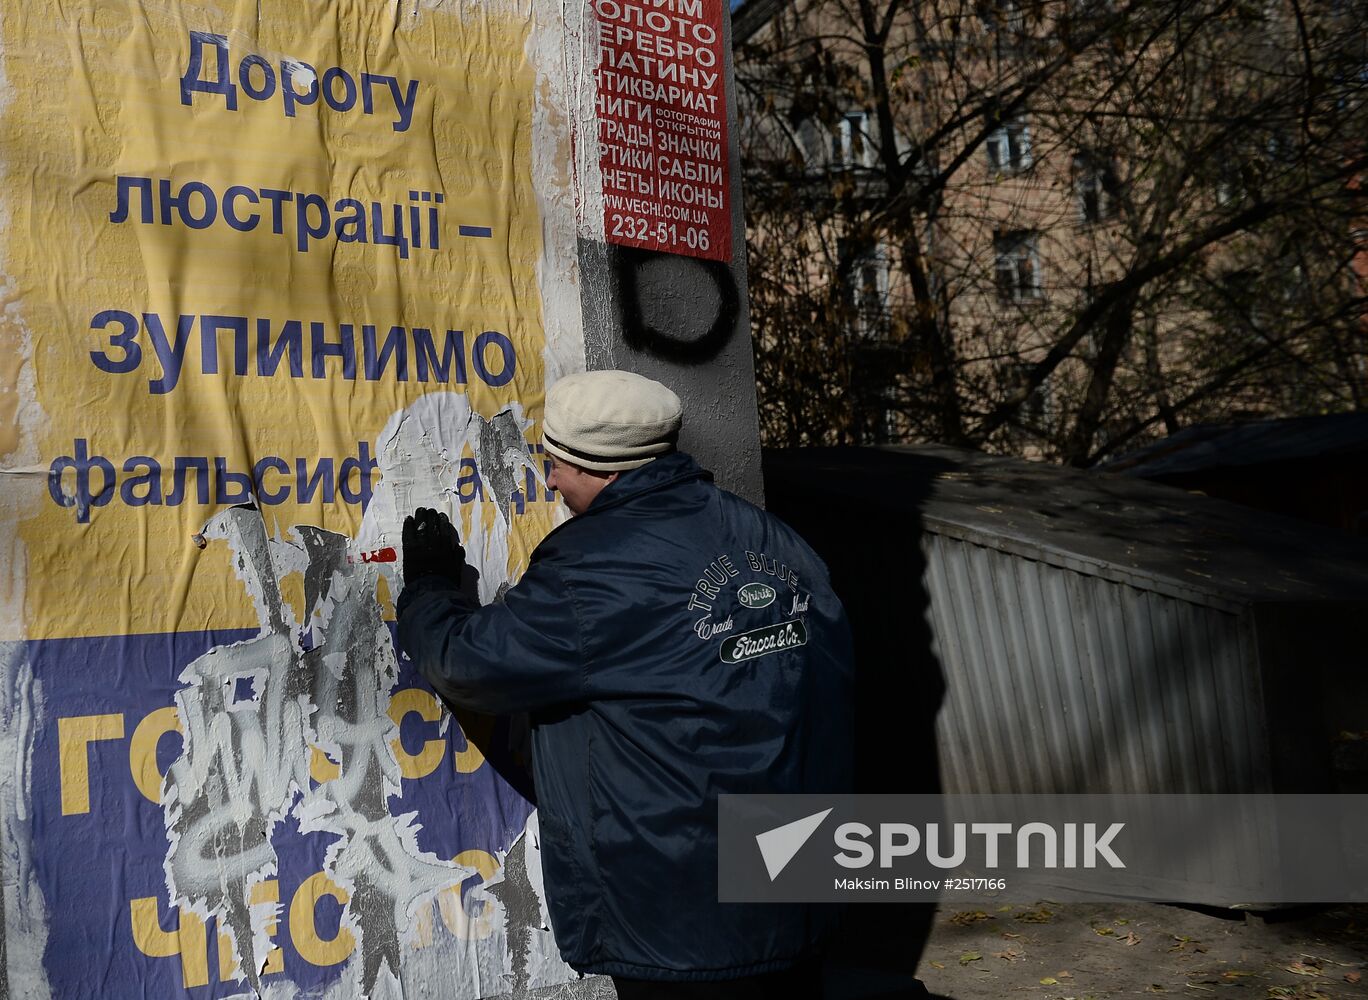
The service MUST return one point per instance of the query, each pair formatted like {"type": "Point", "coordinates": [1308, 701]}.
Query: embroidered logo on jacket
{"type": "Point", "coordinates": [761, 641]}
{"type": "Point", "coordinates": [756, 595]}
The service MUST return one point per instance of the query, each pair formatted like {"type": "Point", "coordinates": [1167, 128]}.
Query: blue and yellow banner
{"type": "Point", "coordinates": [273, 275]}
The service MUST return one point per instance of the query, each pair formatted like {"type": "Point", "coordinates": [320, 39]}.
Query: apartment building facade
{"type": "Point", "coordinates": [1057, 229]}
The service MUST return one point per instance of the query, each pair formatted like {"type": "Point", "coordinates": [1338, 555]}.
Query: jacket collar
{"type": "Point", "coordinates": [676, 467]}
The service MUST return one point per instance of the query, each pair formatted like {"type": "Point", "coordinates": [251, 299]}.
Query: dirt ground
{"type": "Point", "coordinates": [1094, 951]}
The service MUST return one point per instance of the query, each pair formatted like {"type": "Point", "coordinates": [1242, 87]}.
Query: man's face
{"type": "Point", "coordinates": [577, 486]}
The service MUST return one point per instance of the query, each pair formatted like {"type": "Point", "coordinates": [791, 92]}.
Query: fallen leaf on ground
{"type": "Point", "coordinates": [1065, 974]}
{"type": "Point", "coordinates": [1352, 978]}
{"type": "Point", "coordinates": [966, 917]}
{"type": "Point", "coordinates": [1131, 939]}
{"type": "Point", "coordinates": [1182, 943]}
{"type": "Point", "coordinates": [1040, 916]}
{"type": "Point", "coordinates": [970, 956]}
{"type": "Point", "coordinates": [1235, 974]}
{"type": "Point", "coordinates": [1303, 969]}
{"type": "Point", "coordinates": [1104, 931]}
{"type": "Point", "coordinates": [1010, 955]}
{"type": "Point", "coordinates": [1049, 981]}
{"type": "Point", "coordinates": [937, 965]}
{"type": "Point", "coordinates": [1123, 922]}
{"type": "Point", "coordinates": [1010, 936]}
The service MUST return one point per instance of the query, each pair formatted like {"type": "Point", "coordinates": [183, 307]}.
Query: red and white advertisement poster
{"type": "Point", "coordinates": [662, 126]}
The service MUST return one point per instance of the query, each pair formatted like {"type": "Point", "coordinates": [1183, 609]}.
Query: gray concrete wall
{"type": "Point", "coordinates": [685, 322]}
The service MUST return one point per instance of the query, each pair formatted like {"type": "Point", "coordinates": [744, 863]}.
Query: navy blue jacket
{"type": "Point", "coordinates": [673, 642]}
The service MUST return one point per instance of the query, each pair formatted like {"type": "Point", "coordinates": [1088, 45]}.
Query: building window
{"type": "Point", "coordinates": [867, 288]}
{"type": "Point", "coordinates": [891, 429]}
{"type": "Point", "coordinates": [811, 140]}
{"type": "Point", "coordinates": [1037, 413]}
{"type": "Point", "coordinates": [1037, 408]}
{"type": "Point", "coordinates": [1095, 187]}
{"type": "Point", "coordinates": [1009, 147]}
{"type": "Point", "coordinates": [850, 145]}
{"type": "Point", "coordinates": [1243, 297]}
{"type": "Point", "coordinates": [1229, 189]}
{"type": "Point", "coordinates": [1016, 266]}
{"type": "Point", "coordinates": [1007, 16]}
{"type": "Point", "coordinates": [1233, 181]}
{"type": "Point", "coordinates": [872, 273]}
{"type": "Point", "coordinates": [1090, 9]}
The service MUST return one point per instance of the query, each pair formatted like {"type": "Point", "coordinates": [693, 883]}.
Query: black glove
{"type": "Point", "coordinates": [432, 547]}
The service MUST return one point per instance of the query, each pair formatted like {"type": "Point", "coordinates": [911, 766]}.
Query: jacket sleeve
{"type": "Point", "coordinates": [516, 656]}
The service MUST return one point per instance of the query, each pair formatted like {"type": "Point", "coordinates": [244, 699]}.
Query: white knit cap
{"type": "Point", "coordinates": [610, 421]}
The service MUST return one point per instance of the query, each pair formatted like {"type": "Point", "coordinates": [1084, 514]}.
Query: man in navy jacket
{"type": "Point", "coordinates": [672, 642]}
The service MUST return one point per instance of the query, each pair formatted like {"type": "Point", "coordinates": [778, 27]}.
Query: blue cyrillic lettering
{"type": "Point", "coordinates": [277, 198]}
{"type": "Point", "coordinates": [348, 89]}
{"type": "Point", "coordinates": [210, 205]}
{"type": "Point", "coordinates": [223, 479]}
{"type": "Point", "coordinates": [190, 82]}
{"type": "Point", "coordinates": [320, 350]}
{"type": "Point", "coordinates": [337, 87]}
{"type": "Point", "coordinates": [230, 215]}
{"type": "Point", "coordinates": [378, 230]}
{"type": "Point", "coordinates": [181, 203]}
{"type": "Point", "coordinates": [404, 105]}
{"type": "Point", "coordinates": [403, 102]}
{"type": "Point", "coordinates": [468, 484]}
{"type": "Point", "coordinates": [415, 227]}
{"type": "Point", "coordinates": [363, 466]}
{"type": "Point", "coordinates": [303, 230]}
{"type": "Point", "coordinates": [356, 221]}
{"type": "Point", "coordinates": [267, 74]}
{"type": "Point", "coordinates": [291, 341]}
{"type": "Point", "coordinates": [82, 463]}
{"type": "Point", "coordinates": [416, 223]}
{"type": "Point", "coordinates": [425, 354]}
{"type": "Point", "coordinates": [179, 469]}
{"type": "Point", "coordinates": [434, 232]}
{"type": "Point", "coordinates": [305, 487]}
{"type": "Point", "coordinates": [170, 355]}
{"type": "Point", "coordinates": [209, 329]}
{"type": "Point", "coordinates": [132, 350]}
{"type": "Point", "coordinates": [396, 346]}
{"type": "Point", "coordinates": [259, 477]}
{"type": "Point", "coordinates": [291, 97]}
{"type": "Point", "coordinates": [369, 80]}
{"type": "Point", "coordinates": [123, 186]}
{"type": "Point", "coordinates": [151, 479]}
{"type": "Point", "coordinates": [477, 358]}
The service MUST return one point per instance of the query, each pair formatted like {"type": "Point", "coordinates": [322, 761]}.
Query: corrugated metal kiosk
{"type": "Point", "coordinates": [1089, 632]}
